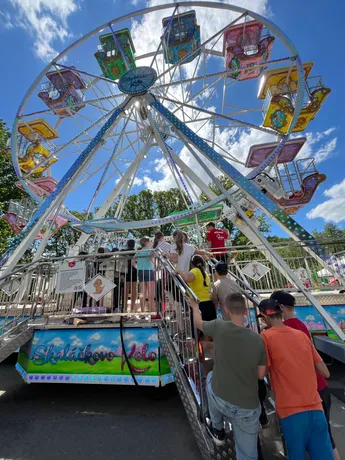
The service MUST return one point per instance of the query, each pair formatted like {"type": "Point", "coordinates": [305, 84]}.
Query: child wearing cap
{"type": "Point", "coordinates": [291, 361]}
{"type": "Point", "coordinates": [288, 303]}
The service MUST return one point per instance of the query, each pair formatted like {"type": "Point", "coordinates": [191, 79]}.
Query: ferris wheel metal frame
{"type": "Point", "coordinates": [158, 117]}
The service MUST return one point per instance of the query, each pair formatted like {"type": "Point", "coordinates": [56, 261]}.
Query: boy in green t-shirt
{"type": "Point", "coordinates": [232, 386]}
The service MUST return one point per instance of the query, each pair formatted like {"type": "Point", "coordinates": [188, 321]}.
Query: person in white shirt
{"type": "Point", "coordinates": [182, 252]}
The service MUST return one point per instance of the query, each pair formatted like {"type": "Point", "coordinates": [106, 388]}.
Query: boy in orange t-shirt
{"type": "Point", "coordinates": [291, 361]}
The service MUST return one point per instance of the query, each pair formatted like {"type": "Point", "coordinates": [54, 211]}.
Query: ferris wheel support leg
{"type": "Point", "coordinates": [24, 240]}
{"type": "Point", "coordinates": [188, 137]}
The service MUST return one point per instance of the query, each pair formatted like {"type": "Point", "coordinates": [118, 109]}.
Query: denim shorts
{"type": "Point", "coordinates": [146, 276]}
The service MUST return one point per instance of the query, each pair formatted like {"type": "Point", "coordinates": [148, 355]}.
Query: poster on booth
{"type": "Point", "coordinates": [255, 270]}
{"type": "Point", "coordinates": [71, 277]}
{"type": "Point", "coordinates": [94, 351]}
{"type": "Point", "coordinates": [98, 287]}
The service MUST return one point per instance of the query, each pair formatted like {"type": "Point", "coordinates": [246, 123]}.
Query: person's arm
{"type": "Point", "coordinates": [214, 297]}
{"type": "Point", "coordinates": [188, 277]}
{"type": "Point", "coordinates": [262, 367]}
{"type": "Point", "coordinates": [320, 366]}
{"type": "Point", "coordinates": [196, 313]}
{"type": "Point", "coordinates": [262, 371]}
{"type": "Point", "coordinates": [234, 254]}
{"type": "Point", "coordinates": [173, 257]}
{"type": "Point", "coordinates": [209, 244]}
{"type": "Point", "coordinates": [203, 253]}
{"type": "Point", "coordinates": [322, 369]}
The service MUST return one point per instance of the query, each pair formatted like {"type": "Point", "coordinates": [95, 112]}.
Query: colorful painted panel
{"type": "Point", "coordinates": [41, 186]}
{"type": "Point", "coordinates": [36, 154]}
{"type": "Point", "coordinates": [109, 56]}
{"type": "Point", "coordinates": [95, 353]}
{"type": "Point", "coordinates": [243, 46]}
{"type": "Point", "coordinates": [299, 199]}
{"type": "Point", "coordinates": [60, 77]}
{"type": "Point", "coordinates": [258, 153]}
{"type": "Point", "coordinates": [182, 38]}
{"type": "Point", "coordinates": [205, 216]}
{"type": "Point", "coordinates": [285, 77]}
{"type": "Point", "coordinates": [38, 129]}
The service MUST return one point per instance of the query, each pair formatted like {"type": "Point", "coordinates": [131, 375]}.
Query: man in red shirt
{"type": "Point", "coordinates": [216, 241]}
{"type": "Point", "coordinates": [287, 301]}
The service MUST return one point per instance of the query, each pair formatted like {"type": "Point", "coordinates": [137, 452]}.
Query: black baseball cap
{"type": "Point", "coordinates": [269, 307]}
{"type": "Point", "coordinates": [284, 298]}
{"type": "Point", "coordinates": [221, 268]}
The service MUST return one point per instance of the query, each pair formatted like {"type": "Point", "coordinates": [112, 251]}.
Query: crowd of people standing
{"type": "Point", "coordinates": [242, 357]}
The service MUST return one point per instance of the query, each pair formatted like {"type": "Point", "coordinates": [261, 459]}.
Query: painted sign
{"type": "Point", "coordinates": [98, 287]}
{"type": "Point", "coordinates": [255, 270]}
{"type": "Point", "coordinates": [94, 352]}
{"type": "Point", "coordinates": [11, 287]}
{"type": "Point", "coordinates": [71, 277]}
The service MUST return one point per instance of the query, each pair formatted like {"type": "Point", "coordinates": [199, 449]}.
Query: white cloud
{"type": "Point", "coordinates": [128, 335]}
{"type": "Point", "coordinates": [46, 21]}
{"type": "Point", "coordinates": [137, 182]}
{"type": "Point", "coordinates": [332, 209]}
{"type": "Point", "coordinates": [153, 338]}
{"type": "Point", "coordinates": [341, 311]}
{"type": "Point", "coordinates": [310, 318]}
{"type": "Point", "coordinates": [96, 337]}
{"type": "Point", "coordinates": [76, 342]}
{"type": "Point", "coordinates": [102, 349]}
{"type": "Point", "coordinates": [5, 20]}
{"type": "Point", "coordinates": [57, 342]}
{"type": "Point", "coordinates": [319, 145]}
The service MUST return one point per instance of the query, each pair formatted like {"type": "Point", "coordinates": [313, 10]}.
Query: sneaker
{"type": "Point", "coordinates": [218, 436]}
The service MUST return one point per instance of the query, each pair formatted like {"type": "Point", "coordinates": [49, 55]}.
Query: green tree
{"type": "Point", "coordinates": [334, 233]}
{"type": "Point", "coordinates": [8, 189]}
{"type": "Point", "coordinates": [65, 237]}
{"type": "Point", "coordinates": [167, 202]}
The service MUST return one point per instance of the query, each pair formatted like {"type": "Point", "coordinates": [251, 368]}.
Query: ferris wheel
{"type": "Point", "coordinates": [176, 87]}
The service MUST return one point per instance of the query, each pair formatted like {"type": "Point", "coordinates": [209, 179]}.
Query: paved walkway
{"type": "Point", "coordinates": [94, 422]}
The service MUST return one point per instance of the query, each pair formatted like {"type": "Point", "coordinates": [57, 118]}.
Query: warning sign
{"type": "Point", "coordinates": [71, 277]}
{"type": "Point", "coordinates": [11, 287]}
{"type": "Point", "coordinates": [255, 270]}
{"type": "Point", "coordinates": [98, 287]}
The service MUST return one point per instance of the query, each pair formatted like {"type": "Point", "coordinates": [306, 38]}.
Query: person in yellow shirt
{"type": "Point", "coordinates": [199, 282]}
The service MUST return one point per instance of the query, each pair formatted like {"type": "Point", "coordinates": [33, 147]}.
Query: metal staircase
{"type": "Point", "coordinates": [15, 338]}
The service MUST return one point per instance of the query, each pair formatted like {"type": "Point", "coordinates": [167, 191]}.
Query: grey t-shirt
{"type": "Point", "coordinates": [221, 288]}
{"type": "Point", "coordinates": [238, 351]}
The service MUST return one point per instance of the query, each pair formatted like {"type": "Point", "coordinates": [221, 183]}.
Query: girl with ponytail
{"type": "Point", "coordinates": [199, 282]}
{"type": "Point", "coordinates": [181, 252]}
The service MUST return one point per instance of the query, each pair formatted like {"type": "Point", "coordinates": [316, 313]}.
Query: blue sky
{"type": "Point", "coordinates": [33, 31]}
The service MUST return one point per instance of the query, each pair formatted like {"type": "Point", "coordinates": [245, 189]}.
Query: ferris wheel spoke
{"type": "Point", "coordinates": [219, 115]}
{"type": "Point", "coordinates": [83, 72]}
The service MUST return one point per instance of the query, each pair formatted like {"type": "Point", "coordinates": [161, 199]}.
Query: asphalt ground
{"type": "Point", "coordinates": [70, 422]}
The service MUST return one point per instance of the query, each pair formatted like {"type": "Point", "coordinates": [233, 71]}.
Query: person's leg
{"type": "Point", "coordinates": [295, 430]}
{"type": "Point", "coordinates": [151, 295]}
{"type": "Point", "coordinates": [245, 424]}
{"type": "Point", "coordinates": [134, 296]}
{"type": "Point", "coordinates": [142, 295]}
{"type": "Point", "coordinates": [325, 395]}
{"type": "Point", "coordinates": [128, 285]}
{"type": "Point", "coordinates": [319, 445]}
{"type": "Point", "coordinates": [216, 415]}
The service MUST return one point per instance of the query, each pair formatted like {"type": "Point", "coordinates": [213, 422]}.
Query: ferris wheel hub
{"type": "Point", "coordinates": [137, 81]}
